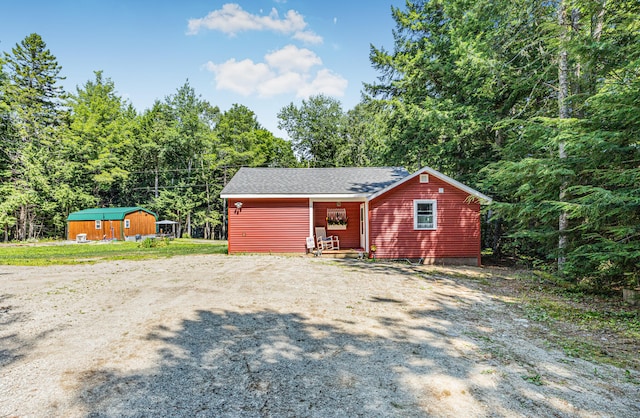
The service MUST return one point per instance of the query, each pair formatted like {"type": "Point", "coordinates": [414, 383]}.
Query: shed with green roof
{"type": "Point", "coordinates": [111, 223]}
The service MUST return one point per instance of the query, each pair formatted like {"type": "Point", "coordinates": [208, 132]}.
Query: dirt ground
{"type": "Point", "coordinates": [261, 336]}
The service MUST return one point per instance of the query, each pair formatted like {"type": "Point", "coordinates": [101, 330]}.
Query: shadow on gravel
{"type": "Point", "coordinates": [267, 364]}
{"type": "Point", "coordinates": [12, 346]}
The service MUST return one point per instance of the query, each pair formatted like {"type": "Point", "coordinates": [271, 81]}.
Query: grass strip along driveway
{"type": "Point", "coordinates": [60, 253]}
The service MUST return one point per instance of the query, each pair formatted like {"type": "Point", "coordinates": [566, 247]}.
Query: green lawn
{"type": "Point", "coordinates": [51, 253]}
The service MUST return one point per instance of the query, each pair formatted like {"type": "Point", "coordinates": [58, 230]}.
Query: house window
{"type": "Point", "coordinates": [127, 223]}
{"type": "Point", "coordinates": [425, 214]}
{"type": "Point", "coordinates": [424, 178]}
{"type": "Point", "coordinates": [98, 224]}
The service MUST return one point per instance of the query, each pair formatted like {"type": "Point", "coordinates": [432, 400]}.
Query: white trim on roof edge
{"type": "Point", "coordinates": [439, 175]}
{"type": "Point", "coordinates": [355, 196]}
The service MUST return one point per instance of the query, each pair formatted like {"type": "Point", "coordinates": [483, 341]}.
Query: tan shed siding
{"type": "Point", "coordinates": [108, 230]}
{"type": "Point", "coordinates": [85, 227]}
{"type": "Point", "coordinates": [268, 225]}
{"type": "Point", "coordinates": [142, 223]}
{"type": "Point", "coordinates": [458, 223]}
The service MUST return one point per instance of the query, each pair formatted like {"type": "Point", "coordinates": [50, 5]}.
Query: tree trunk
{"type": "Point", "coordinates": [22, 222]}
{"type": "Point", "coordinates": [596, 34]}
{"type": "Point", "coordinates": [207, 225]}
{"type": "Point", "coordinates": [155, 186]}
{"type": "Point", "coordinates": [563, 113]}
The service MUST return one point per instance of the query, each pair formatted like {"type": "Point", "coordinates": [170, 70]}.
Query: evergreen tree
{"type": "Point", "coordinates": [581, 151]}
{"type": "Point", "coordinates": [457, 70]}
{"type": "Point", "coordinates": [33, 98]}
{"type": "Point", "coordinates": [7, 143]}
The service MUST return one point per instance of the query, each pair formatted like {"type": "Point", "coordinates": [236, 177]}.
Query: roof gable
{"type": "Point", "coordinates": [439, 175]}
{"type": "Point", "coordinates": [106, 214]}
{"type": "Point", "coordinates": [307, 182]}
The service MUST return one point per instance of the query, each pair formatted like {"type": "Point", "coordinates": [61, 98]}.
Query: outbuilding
{"type": "Point", "coordinates": [111, 223]}
{"type": "Point", "coordinates": [382, 210]}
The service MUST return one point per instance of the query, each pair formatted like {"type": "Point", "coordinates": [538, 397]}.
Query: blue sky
{"type": "Point", "coordinates": [262, 54]}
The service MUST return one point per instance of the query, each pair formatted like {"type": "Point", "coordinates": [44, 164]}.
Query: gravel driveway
{"type": "Point", "coordinates": [262, 336]}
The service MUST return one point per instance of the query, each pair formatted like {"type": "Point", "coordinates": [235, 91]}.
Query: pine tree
{"type": "Point", "coordinates": [33, 97]}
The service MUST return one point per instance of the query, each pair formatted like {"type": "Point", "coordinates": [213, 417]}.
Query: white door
{"type": "Point", "coordinates": [363, 239]}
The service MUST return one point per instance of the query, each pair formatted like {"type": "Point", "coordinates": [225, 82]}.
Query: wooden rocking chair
{"type": "Point", "coordinates": [324, 242]}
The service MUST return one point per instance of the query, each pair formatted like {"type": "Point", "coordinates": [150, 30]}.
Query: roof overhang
{"type": "Point", "coordinates": [354, 196]}
{"type": "Point", "coordinates": [484, 199]}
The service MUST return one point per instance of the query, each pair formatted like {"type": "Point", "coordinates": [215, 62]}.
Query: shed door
{"type": "Point", "coordinates": [363, 234]}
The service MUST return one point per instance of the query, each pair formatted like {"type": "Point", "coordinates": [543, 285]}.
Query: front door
{"type": "Point", "coordinates": [363, 241]}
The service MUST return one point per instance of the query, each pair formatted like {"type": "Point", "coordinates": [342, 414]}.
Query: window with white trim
{"type": "Point", "coordinates": [127, 223]}
{"type": "Point", "coordinates": [98, 224]}
{"type": "Point", "coordinates": [425, 214]}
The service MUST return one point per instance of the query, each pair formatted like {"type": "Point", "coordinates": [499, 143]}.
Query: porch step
{"type": "Point", "coordinates": [351, 253]}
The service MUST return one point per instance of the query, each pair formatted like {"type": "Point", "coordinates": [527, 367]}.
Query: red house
{"type": "Point", "coordinates": [425, 215]}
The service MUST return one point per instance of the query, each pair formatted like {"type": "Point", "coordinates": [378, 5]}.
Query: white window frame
{"type": "Point", "coordinates": [127, 223]}
{"type": "Point", "coordinates": [434, 205]}
{"type": "Point", "coordinates": [98, 224]}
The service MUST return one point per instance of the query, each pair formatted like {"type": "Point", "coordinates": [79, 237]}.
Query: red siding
{"type": "Point", "coordinates": [350, 237]}
{"type": "Point", "coordinates": [458, 223]}
{"type": "Point", "coordinates": [268, 225]}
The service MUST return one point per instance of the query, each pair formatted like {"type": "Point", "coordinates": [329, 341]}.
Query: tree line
{"type": "Point", "coordinates": [536, 104]}
{"type": "Point", "coordinates": [62, 151]}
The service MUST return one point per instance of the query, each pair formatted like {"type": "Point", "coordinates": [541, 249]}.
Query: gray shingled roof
{"type": "Point", "coordinates": [312, 181]}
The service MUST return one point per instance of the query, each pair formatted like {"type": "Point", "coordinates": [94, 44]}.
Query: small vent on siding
{"type": "Point", "coordinates": [424, 178]}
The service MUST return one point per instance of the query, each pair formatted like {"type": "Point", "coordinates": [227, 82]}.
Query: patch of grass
{"type": "Point", "coordinates": [594, 327]}
{"type": "Point", "coordinates": [479, 336]}
{"type": "Point", "coordinates": [544, 309]}
{"type": "Point", "coordinates": [581, 349]}
{"type": "Point", "coordinates": [628, 377]}
{"type": "Point", "coordinates": [591, 327]}
{"type": "Point", "coordinates": [43, 255]}
{"type": "Point", "coordinates": [534, 379]}
{"type": "Point", "coordinates": [536, 313]}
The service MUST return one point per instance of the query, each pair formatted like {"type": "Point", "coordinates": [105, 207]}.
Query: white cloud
{"type": "Point", "coordinates": [281, 84]}
{"type": "Point", "coordinates": [242, 77]}
{"type": "Point", "coordinates": [325, 82]}
{"type": "Point", "coordinates": [285, 71]}
{"type": "Point", "coordinates": [308, 37]}
{"type": "Point", "coordinates": [232, 19]}
{"type": "Point", "coordinates": [292, 58]}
